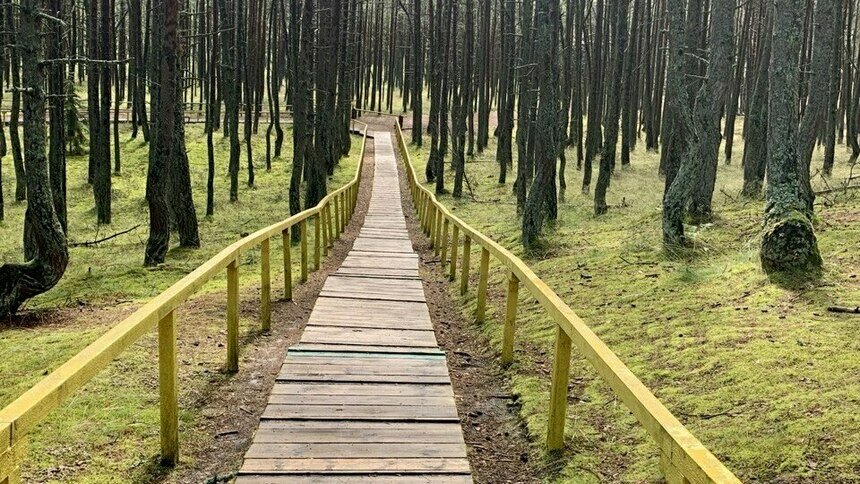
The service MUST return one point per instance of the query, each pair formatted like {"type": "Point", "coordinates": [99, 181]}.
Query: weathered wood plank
{"type": "Point", "coordinates": [364, 378]}
{"type": "Point", "coordinates": [369, 336]}
{"type": "Point", "coordinates": [354, 451]}
{"type": "Point", "coordinates": [374, 389]}
{"type": "Point", "coordinates": [342, 466]}
{"type": "Point", "coordinates": [364, 348]}
{"type": "Point", "coordinates": [355, 479]}
{"type": "Point", "coordinates": [354, 412]}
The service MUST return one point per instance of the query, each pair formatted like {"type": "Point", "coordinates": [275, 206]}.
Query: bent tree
{"type": "Point", "coordinates": [45, 246]}
{"type": "Point", "coordinates": [788, 244]}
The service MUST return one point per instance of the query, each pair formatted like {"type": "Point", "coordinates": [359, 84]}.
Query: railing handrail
{"type": "Point", "coordinates": [19, 417]}
{"type": "Point", "coordinates": [679, 448]}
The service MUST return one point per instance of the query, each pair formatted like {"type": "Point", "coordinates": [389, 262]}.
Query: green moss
{"type": "Point", "coordinates": [108, 431]}
{"type": "Point", "coordinates": [760, 373]}
{"type": "Point", "coordinates": [113, 271]}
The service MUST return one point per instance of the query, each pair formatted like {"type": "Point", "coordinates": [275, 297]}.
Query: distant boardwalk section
{"type": "Point", "coordinates": [365, 396]}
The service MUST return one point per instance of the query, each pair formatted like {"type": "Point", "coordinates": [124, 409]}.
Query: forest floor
{"type": "Point", "coordinates": [764, 376]}
{"type": "Point", "coordinates": [108, 431]}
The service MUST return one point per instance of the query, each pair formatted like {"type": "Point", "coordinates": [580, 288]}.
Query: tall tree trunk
{"type": "Point", "coordinates": [595, 99]}
{"type": "Point", "coordinates": [613, 104]}
{"type": "Point", "coordinates": [755, 136]}
{"type": "Point", "coordinates": [15, 114]}
{"type": "Point", "coordinates": [703, 128]}
{"type": "Point", "coordinates": [315, 158]}
{"type": "Point", "coordinates": [527, 104]}
{"type": "Point", "coordinates": [211, 111]}
{"type": "Point", "coordinates": [484, 56]}
{"type": "Point", "coordinates": [815, 113]}
{"type": "Point", "coordinates": [504, 155]}
{"type": "Point", "coordinates": [54, 46]}
{"type": "Point", "coordinates": [788, 244]}
{"type": "Point", "coordinates": [833, 93]}
{"type": "Point", "coordinates": [417, 74]}
{"type": "Point", "coordinates": [541, 204]}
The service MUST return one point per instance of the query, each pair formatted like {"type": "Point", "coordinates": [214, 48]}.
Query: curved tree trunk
{"type": "Point", "coordinates": [788, 244]}
{"type": "Point", "coordinates": [45, 246]}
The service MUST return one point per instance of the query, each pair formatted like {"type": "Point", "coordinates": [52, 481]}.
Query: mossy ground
{"type": "Point", "coordinates": [764, 376]}
{"type": "Point", "coordinates": [108, 432]}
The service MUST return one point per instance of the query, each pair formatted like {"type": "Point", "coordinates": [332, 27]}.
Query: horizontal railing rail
{"type": "Point", "coordinates": [682, 457]}
{"type": "Point", "coordinates": [330, 217]}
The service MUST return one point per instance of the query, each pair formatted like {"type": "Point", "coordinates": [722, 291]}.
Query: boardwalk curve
{"type": "Point", "coordinates": [365, 395]}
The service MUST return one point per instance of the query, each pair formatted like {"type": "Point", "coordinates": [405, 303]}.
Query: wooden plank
{"type": "Point", "coordinates": [313, 370]}
{"type": "Point", "coordinates": [355, 479]}
{"type": "Point", "coordinates": [368, 336]}
{"type": "Point", "coordinates": [364, 348]}
{"type": "Point", "coordinates": [334, 312]}
{"type": "Point", "coordinates": [353, 450]}
{"type": "Point", "coordinates": [343, 466]}
{"type": "Point", "coordinates": [371, 389]}
{"type": "Point", "coordinates": [403, 296]}
{"type": "Point", "coordinates": [383, 401]}
{"type": "Point", "coordinates": [378, 272]}
{"type": "Point", "coordinates": [366, 361]}
{"type": "Point", "coordinates": [413, 428]}
{"type": "Point", "coordinates": [372, 284]}
{"type": "Point", "coordinates": [328, 377]}
{"type": "Point", "coordinates": [356, 412]}
{"type": "Point", "coordinates": [280, 431]}
{"type": "Point", "coordinates": [379, 261]}
{"type": "Point", "coordinates": [385, 255]}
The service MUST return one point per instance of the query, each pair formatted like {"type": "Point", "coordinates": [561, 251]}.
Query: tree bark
{"type": "Point", "coordinates": [46, 249]}
{"type": "Point", "coordinates": [541, 204]}
{"type": "Point", "coordinates": [788, 244]}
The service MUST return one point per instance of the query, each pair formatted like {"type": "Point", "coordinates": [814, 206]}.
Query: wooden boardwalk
{"type": "Point", "coordinates": [365, 395]}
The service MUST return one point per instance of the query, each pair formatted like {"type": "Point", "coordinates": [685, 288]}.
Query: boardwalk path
{"type": "Point", "coordinates": [365, 396]}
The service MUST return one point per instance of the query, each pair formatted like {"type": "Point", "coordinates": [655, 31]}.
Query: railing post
{"type": "Point", "coordinates": [483, 274]}
{"type": "Point", "coordinates": [437, 233]}
{"type": "Point", "coordinates": [329, 225]}
{"type": "Point", "coordinates": [233, 317]}
{"type": "Point", "coordinates": [431, 213]}
{"type": "Point", "coordinates": [343, 210]}
{"type": "Point", "coordinates": [286, 235]}
{"type": "Point", "coordinates": [325, 233]}
{"type": "Point", "coordinates": [431, 219]}
{"type": "Point", "coordinates": [265, 286]}
{"type": "Point", "coordinates": [510, 319]}
{"type": "Point", "coordinates": [455, 242]}
{"type": "Point", "coordinates": [336, 217]}
{"type": "Point", "coordinates": [303, 249]}
{"type": "Point", "coordinates": [317, 240]}
{"type": "Point", "coordinates": [443, 243]}
{"type": "Point", "coordinates": [167, 390]}
{"type": "Point", "coordinates": [558, 391]}
{"type": "Point", "coordinates": [464, 271]}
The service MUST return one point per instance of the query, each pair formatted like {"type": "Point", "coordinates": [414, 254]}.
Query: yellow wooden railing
{"type": "Point", "coordinates": [23, 414]}
{"type": "Point", "coordinates": [682, 457]}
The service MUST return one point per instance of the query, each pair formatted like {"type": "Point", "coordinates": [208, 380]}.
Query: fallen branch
{"type": "Point", "coordinates": [91, 243]}
{"type": "Point", "coordinates": [834, 190]}
{"type": "Point", "coordinates": [844, 309]}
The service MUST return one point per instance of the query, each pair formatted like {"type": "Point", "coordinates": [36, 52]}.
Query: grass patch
{"type": "Point", "coordinates": [762, 375]}
{"type": "Point", "coordinates": [108, 431]}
